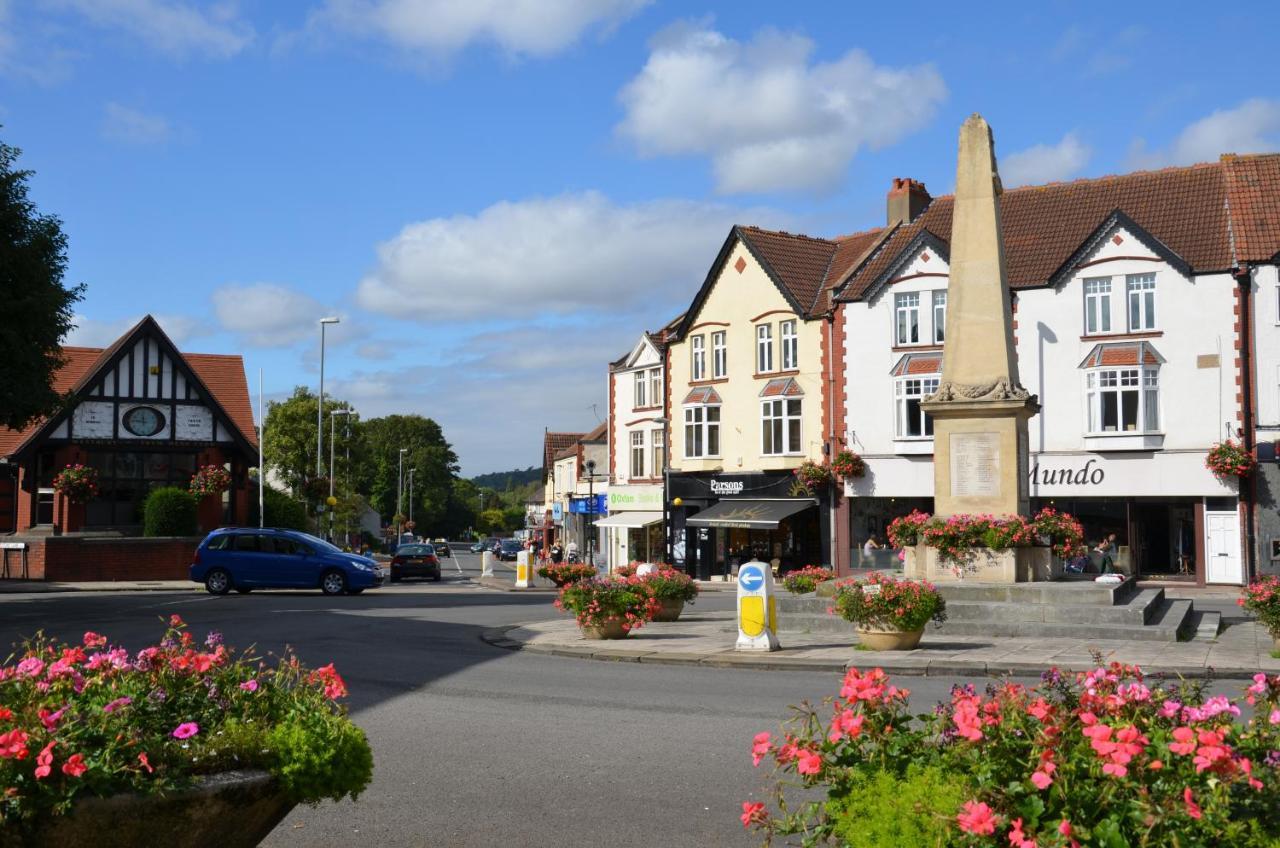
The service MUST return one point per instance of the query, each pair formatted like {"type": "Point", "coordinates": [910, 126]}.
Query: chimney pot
{"type": "Point", "coordinates": [907, 199]}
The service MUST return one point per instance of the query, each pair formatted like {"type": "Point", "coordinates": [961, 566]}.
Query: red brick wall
{"type": "Point", "coordinates": [87, 558]}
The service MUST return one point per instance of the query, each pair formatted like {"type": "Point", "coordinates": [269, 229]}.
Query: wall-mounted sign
{"type": "Point", "coordinates": [193, 424]}
{"type": "Point", "coordinates": [583, 506]}
{"type": "Point", "coordinates": [557, 513]}
{"type": "Point", "coordinates": [93, 420]}
{"type": "Point", "coordinates": [1079, 475]}
{"type": "Point", "coordinates": [727, 487]}
{"type": "Point", "coordinates": [622, 498]}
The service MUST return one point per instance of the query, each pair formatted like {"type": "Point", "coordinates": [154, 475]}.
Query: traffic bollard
{"type": "Point", "coordinates": [757, 609]}
{"type": "Point", "coordinates": [524, 570]}
{"type": "Point", "coordinates": [486, 564]}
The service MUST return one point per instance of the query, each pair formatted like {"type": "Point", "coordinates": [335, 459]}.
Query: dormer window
{"type": "Point", "coordinates": [906, 309]}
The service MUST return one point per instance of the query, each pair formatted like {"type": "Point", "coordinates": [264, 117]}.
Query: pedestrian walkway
{"type": "Point", "coordinates": [1240, 650]}
{"type": "Point", "coordinates": [8, 587]}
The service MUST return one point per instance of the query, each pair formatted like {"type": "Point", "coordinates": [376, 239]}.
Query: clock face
{"type": "Point", "coordinates": [143, 421]}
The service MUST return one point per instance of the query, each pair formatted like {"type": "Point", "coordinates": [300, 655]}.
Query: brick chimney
{"type": "Point", "coordinates": [907, 199]}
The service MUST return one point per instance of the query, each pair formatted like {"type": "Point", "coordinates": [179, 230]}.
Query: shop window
{"type": "Point", "coordinates": [698, 353]}
{"type": "Point", "coordinates": [719, 355]}
{"type": "Point", "coordinates": [641, 384]}
{"type": "Point", "coordinates": [939, 316]}
{"type": "Point", "coordinates": [1097, 305]}
{"type": "Point", "coordinates": [912, 421]}
{"type": "Point", "coordinates": [659, 453]}
{"type": "Point", "coordinates": [637, 453]}
{"type": "Point", "coordinates": [790, 345]}
{"type": "Point", "coordinates": [1123, 400]}
{"type": "Point", "coordinates": [1142, 301]}
{"type": "Point", "coordinates": [764, 348]}
{"type": "Point", "coordinates": [701, 431]}
{"type": "Point", "coordinates": [780, 427]}
{"type": "Point", "coordinates": [906, 309]}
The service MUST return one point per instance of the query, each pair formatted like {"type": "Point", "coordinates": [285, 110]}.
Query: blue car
{"type": "Point", "coordinates": [244, 559]}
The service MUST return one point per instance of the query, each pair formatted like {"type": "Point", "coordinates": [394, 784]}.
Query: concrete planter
{"type": "Point", "coordinates": [1014, 565]}
{"type": "Point", "coordinates": [610, 628]}
{"type": "Point", "coordinates": [889, 640]}
{"type": "Point", "coordinates": [671, 609]}
{"type": "Point", "coordinates": [234, 809]}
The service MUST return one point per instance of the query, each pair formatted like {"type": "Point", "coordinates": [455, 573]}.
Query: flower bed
{"type": "Point", "coordinates": [600, 601]}
{"type": "Point", "coordinates": [667, 584]}
{"type": "Point", "coordinates": [958, 537]}
{"type": "Point", "coordinates": [78, 483]}
{"type": "Point", "coordinates": [1230, 459]}
{"type": "Point", "coordinates": [92, 719]}
{"type": "Point", "coordinates": [210, 480]}
{"type": "Point", "coordinates": [564, 573]}
{"type": "Point", "coordinates": [805, 580]}
{"type": "Point", "coordinates": [887, 603]}
{"type": "Point", "coordinates": [1100, 758]}
{"type": "Point", "coordinates": [1262, 598]}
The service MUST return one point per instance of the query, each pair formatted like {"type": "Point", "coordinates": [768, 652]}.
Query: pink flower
{"type": "Point", "coordinates": [117, 704]}
{"type": "Point", "coordinates": [186, 730]}
{"type": "Point", "coordinates": [74, 766]}
{"type": "Point", "coordinates": [1274, 718]}
{"type": "Point", "coordinates": [1193, 809]}
{"type": "Point", "coordinates": [44, 761]}
{"type": "Point", "coordinates": [808, 762]}
{"type": "Point", "coordinates": [1064, 827]}
{"type": "Point", "coordinates": [759, 745]}
{"type": "Point", "coordinates": [13, 745]}
{"type": "Point", "coordinates": [977, 818]}
{"type": "Point", "coordinates": [1017, 838]}
{"type": "Point", "coordinates": [847, 723]}
{"type": "Point", "coordinates": [249, 686]}
{"type": "Point", "coordinates": [94, 640]}
{"type": "Point", "coordinates": [146, 764]}
{"type": "Point", "coordinates": [1185, 741]}
{"type": "Point", "coordinates": [31, 667]}
{"type": "Point", "coordinates": [753, 813]}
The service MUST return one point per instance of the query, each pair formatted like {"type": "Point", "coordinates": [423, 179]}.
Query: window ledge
{"type": "Point", "coordinates": [645, 408]}
{"type": "Point", "coordinates": [1127, 441]}
{"type": "Point", "coordinates": [926, 347]}
{"type": "Point", "coordinates": [913, 447]}
{"type": "Point", "coordinates": [1104, 337]}
{"type": "Point", "coordinates": [773, 375]}
{"type": "Point", "coordinates": [693, 384]}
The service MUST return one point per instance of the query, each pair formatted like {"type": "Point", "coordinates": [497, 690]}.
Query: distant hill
{"type": "Point", "coordinates": [504, 480]}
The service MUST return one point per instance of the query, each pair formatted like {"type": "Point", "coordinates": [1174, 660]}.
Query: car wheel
{"type": "Point", "coordinates": [217, 582]}
{"type": "Point", "coordinates": [243, 591]}
{"type": "Point", "coordinates": [333, 583]}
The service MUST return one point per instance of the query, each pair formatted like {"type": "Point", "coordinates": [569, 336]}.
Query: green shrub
{"type": "Point", "coordinates": [913, 811]}
{"type": "Point", "coordinates": [319, 755]}
{"type": "Point", "coordinates": [169, 512]}
{"type": "Point", "coordinates": [280, 509]}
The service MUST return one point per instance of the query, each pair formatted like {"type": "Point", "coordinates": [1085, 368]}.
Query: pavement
{"type": "Point", "coordinates": [16, 587]}
{"type": "Point", "coordinates": [1241, 649]}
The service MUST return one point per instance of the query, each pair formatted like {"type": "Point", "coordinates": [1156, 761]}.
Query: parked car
{"type": "Point", "coordinates": [244, 559]}
{"type": "Point", "coordinates": [442, 548]}
{"type": "Point", "coordinates": [415, 561]}
{"type": "Point", "coordinates": [508, 548]}
{"type": "Point", "coordinates": [479, 547]}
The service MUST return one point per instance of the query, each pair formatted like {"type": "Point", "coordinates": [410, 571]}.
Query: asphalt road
{"type": "Point", "coordinates": [479, 746]}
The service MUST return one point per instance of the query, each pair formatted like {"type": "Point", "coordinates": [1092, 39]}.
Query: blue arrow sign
{"type": "Point", "coordinates": [751, 577]}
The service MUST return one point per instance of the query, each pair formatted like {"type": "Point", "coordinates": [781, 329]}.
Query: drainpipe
{"type": "Point", "coordinates": [1244, 279]}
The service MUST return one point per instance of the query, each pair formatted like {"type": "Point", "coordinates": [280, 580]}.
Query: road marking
{"type": "Point", "coordinates": [179, 603]}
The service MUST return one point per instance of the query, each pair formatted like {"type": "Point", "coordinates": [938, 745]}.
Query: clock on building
{"type": "Point", "coordinates": [144, 421]}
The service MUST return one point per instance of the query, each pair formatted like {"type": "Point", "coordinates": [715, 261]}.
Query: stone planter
{"type": "Point", "coordinates": [671, 609]}
{"type": "Point", "coordinates": [889, 640]}
{"type": "Point", "coordinates": [610, 628]}
{"type": "Point", "coordinates": [1014, 565]}
{"type": "Point", "coordinates": [235, 809]}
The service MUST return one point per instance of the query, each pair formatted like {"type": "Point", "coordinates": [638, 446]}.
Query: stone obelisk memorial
{"type": "Point", "coordinates": [980, 410]}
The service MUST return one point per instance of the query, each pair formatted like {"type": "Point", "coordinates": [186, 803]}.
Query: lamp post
{"type": "Point", "coordinates": [411, 472]}
{"type": "Point", "coordinates": [333, 417]}
{"type": "Point", "coordinates": [320, 406]}
{"type": "Point", "coordinates": [400, 494]}
{"type": "Point", "coordinates": [591, 512]}
{"type": "Point", "coordinates": [666, 488]}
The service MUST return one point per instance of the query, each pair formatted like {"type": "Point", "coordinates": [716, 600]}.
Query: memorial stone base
{"type": "Point", "coordinates": [1015, 565]}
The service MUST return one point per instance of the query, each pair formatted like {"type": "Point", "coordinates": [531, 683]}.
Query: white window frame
{"type": "Point", "coordinates": [915, 387]}
{"type": "Point", "coordinates": [698, 358]}
{"type": "Point", "coordinates": [781, 426]}
{"type": "Point", "coordinates": [637, 454]}
{"type": "Point", "coordinates": [1097, 306]}
{"type": "Point", "coordinates": [939, 299]}
{"type": "Point", "coordinates": [641, 385]}
{"type": "Point", "coordinates": [1140, 294]}
{"type": "Point", "coordinates": [719, 355]}
{"type": "Point", "coordinates": [699, 429]}
{"type": "Point", "coordinates": [764, 348]}
{"type": "Point", "coordinates": [655, 387]}
{"type": "Point", "coordinates": [658, 440]}
{"type": "Point", "coordinates": [789, 335]}
{"type": "Point", "coordinates": [1143, 381]}
{"type": "Point", "coordinates": [906, 318]}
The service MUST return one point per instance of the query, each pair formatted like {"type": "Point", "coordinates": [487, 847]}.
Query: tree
{"type": "Point", "coordinates": [289, 447]}
{"type": "Point", "coordinates": [33, 258]}
{"type": "Point", "coordinates": [435, 464]}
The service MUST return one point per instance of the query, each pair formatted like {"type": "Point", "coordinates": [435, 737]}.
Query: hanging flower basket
{"type": "Point", "coordinates": [1230, 459]}
{"type": "Point", "coordinates": [849, 464]}
{"type": "Point", "coordinates": [77, 483]}
{"type": "Point", "coordinates": [813, 475]}
{"type": "Point", "coordinates": [210, 480]}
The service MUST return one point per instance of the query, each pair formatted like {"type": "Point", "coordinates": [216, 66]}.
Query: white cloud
{"type": "Point", "coordinates": [542, 256]}
{"type": "Point", "coordinates": [438, 28]}
{"type": "Point", "coordinates": [93, 332]}
{"type": "Point", "coordinates": [268, 315]}
{"type": "Point", "coordinates": [1045, 163]}
{"type": "Point", "coordinates": [132, 126]}
{"type": "Point", "coordinates": [1251, 127]}
{"type": "Point", "coordinates": [176, 27]}
{"type": "Point", "coordinates": [768, 117]}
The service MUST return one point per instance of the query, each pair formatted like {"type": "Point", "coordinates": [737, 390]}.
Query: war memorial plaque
{"type": "Point", "coordinates": [975, 465]}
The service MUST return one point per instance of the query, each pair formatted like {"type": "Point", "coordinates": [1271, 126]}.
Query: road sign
{"type": "Point", "coordinates": [751, 577]}
{"type": "Point", "coordinates": [757, 609]}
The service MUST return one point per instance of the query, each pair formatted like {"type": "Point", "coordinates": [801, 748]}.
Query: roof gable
{"type": "Point", "coordinates": [923, 240]}
{"type": "Point", "coordinates": [1118, 220]}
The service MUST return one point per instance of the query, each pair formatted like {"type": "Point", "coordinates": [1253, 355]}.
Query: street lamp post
{"type": "Point", "coordinates": [333, 417]}
{"type": "Point", "coordinates": [400, 494]}
{"type": "Point", "coordinates": [320, 406]}
{"type": "Point", "coordinates": [666, 488]}
{"type": "Point", "coordinates": [591, 512]}
{"type": "Point", "coordinates": [411, 472]}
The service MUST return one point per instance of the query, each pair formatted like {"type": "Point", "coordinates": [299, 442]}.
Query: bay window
{"type": "Point", "coordinates": [637, 453]}
{"type": "Point", "coordinates": [1142, 301]}
{"type": "Point", "coordinates": [912, 421]}
{"type": "Point", "coordinates": [790, 345]}
{"type": "Point", "coordinates": [698, 366]}
{"type": "Point", "coordinates": [906, 309]}
{"type": "Point", "coordinates": [1097, 305]}
{"type": "Point", "coordinates": [701, 431]}
{"type": "Point", "coordinates": [1123, 400]}
{"type": "Point", "coordinates": [780, 426]}
{"type": "Point", "coordinates": [939, 316]}
{"type": "Point", "coordinates": [764, 348]}
{"type": "Point", "coordinates": [719, 355]}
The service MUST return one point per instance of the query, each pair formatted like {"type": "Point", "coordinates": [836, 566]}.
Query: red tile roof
{"type": "Point", "coordinates": [918, 363]}
{"type": "Point", "coordinates": [807, 267]}
{"type": "Point", "coordinates": [553, 444]}
{"type": "Point", "coordinates": [1254, 200]}
{"type": "Point", "coordinates": [783, 387]}
{"type": "Point", "coordinates": [703, 394]}
{"type": "Point", "coordinates": [1122, 353]}
{"type": "Point", "coordinates": [78, 362]}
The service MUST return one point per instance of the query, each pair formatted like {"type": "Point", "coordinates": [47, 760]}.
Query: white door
{"type": "Point", "coordinates": [1222, 548]}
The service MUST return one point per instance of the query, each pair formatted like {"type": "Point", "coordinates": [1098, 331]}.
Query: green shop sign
{"type": "Point", "coordinates": [634, 497]}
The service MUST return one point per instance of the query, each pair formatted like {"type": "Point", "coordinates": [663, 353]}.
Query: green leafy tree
{"type": "Point", "coordinates": [290, 444]}
{"type": "Point", "coordinates": [33, 258]}
{"type": "Point", "coordinates": [378, 476]}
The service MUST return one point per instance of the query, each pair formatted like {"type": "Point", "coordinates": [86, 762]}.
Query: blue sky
{"type": "Point", "coordinates": [497, 197]}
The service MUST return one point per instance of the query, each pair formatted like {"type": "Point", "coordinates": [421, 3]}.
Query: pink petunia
{"type": "Point", "coordinates": [1193, 809]}
{"type": "Point", "coordinates": [44, 761]}
{"type": "Point", "coordinates": [759, 745]}
{"type": "Point", "coordinates": [74, 766]}
{"type": "Point", "coordinates": [249, 686]}
{"type": "Point", "coordinates": [753, 812]}
{"type": "Point", "coordinates": [808, 762]}
{"type": "Point", "coordinates": [186, 730]}
{"type": "Point", "coordinates": [977, 818]}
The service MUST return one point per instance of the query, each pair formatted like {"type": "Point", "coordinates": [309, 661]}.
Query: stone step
{"type": "Point", "coordinates": [1205, 625]}
{"type": "Point", "coordinates": [1058, 592]}
{"type": "Point", "coordinates": [1138, 609]}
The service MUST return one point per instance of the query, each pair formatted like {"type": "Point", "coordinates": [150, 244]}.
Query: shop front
{"type": "Point", "coordinates": [633, 527]}
{"type": "Point", "coordinates": [721, 520]}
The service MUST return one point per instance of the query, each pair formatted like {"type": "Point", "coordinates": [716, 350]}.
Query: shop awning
{"type": "Point", "coordinates": [760, 515]}
{"type": "Point", "coordinates": [638, 518]}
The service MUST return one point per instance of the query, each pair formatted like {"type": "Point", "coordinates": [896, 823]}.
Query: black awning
{"type": "Point", "coordinates": [751, 514]}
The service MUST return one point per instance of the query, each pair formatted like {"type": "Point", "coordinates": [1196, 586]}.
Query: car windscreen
{"type": "Point", "coordinates": [415, 550]}
{"type": "Point", "coordinates": [511, 546]}
{"type": "Point", "coordinates": [317, 542]}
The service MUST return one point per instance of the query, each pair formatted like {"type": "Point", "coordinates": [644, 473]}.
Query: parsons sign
{"type": "Point", "coordinates": [726, 487]}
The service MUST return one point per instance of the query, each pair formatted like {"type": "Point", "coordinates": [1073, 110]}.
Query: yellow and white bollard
{"type": "Point", "coordinates": [757, 609]}
{"type": "Point", "coordinates": [524, 570]}
{"type": "Point", "coordinates": [486, 564]}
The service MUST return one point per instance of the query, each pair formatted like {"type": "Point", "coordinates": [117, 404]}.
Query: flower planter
{"type": "Point", "coordinates": [610, 628]}
{"type": "Point", "coordinates": [671, 609]}
{"type": "Point", "coordinates": [234, 809]}
{"type": "Point", "coordinates": [889, 640]}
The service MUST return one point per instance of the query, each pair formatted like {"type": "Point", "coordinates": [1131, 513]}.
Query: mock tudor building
{"type": "Point", "coordinates": [1131, 296]}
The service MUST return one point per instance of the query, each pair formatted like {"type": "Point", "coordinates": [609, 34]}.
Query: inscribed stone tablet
{"type": "Point", "coordinates": [975, 465]}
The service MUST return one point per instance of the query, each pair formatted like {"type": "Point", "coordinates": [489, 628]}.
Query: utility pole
{"type": "Point", "coordinates": [400, 495]}
{"type": "Point", "coordinates": [411, 471]}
